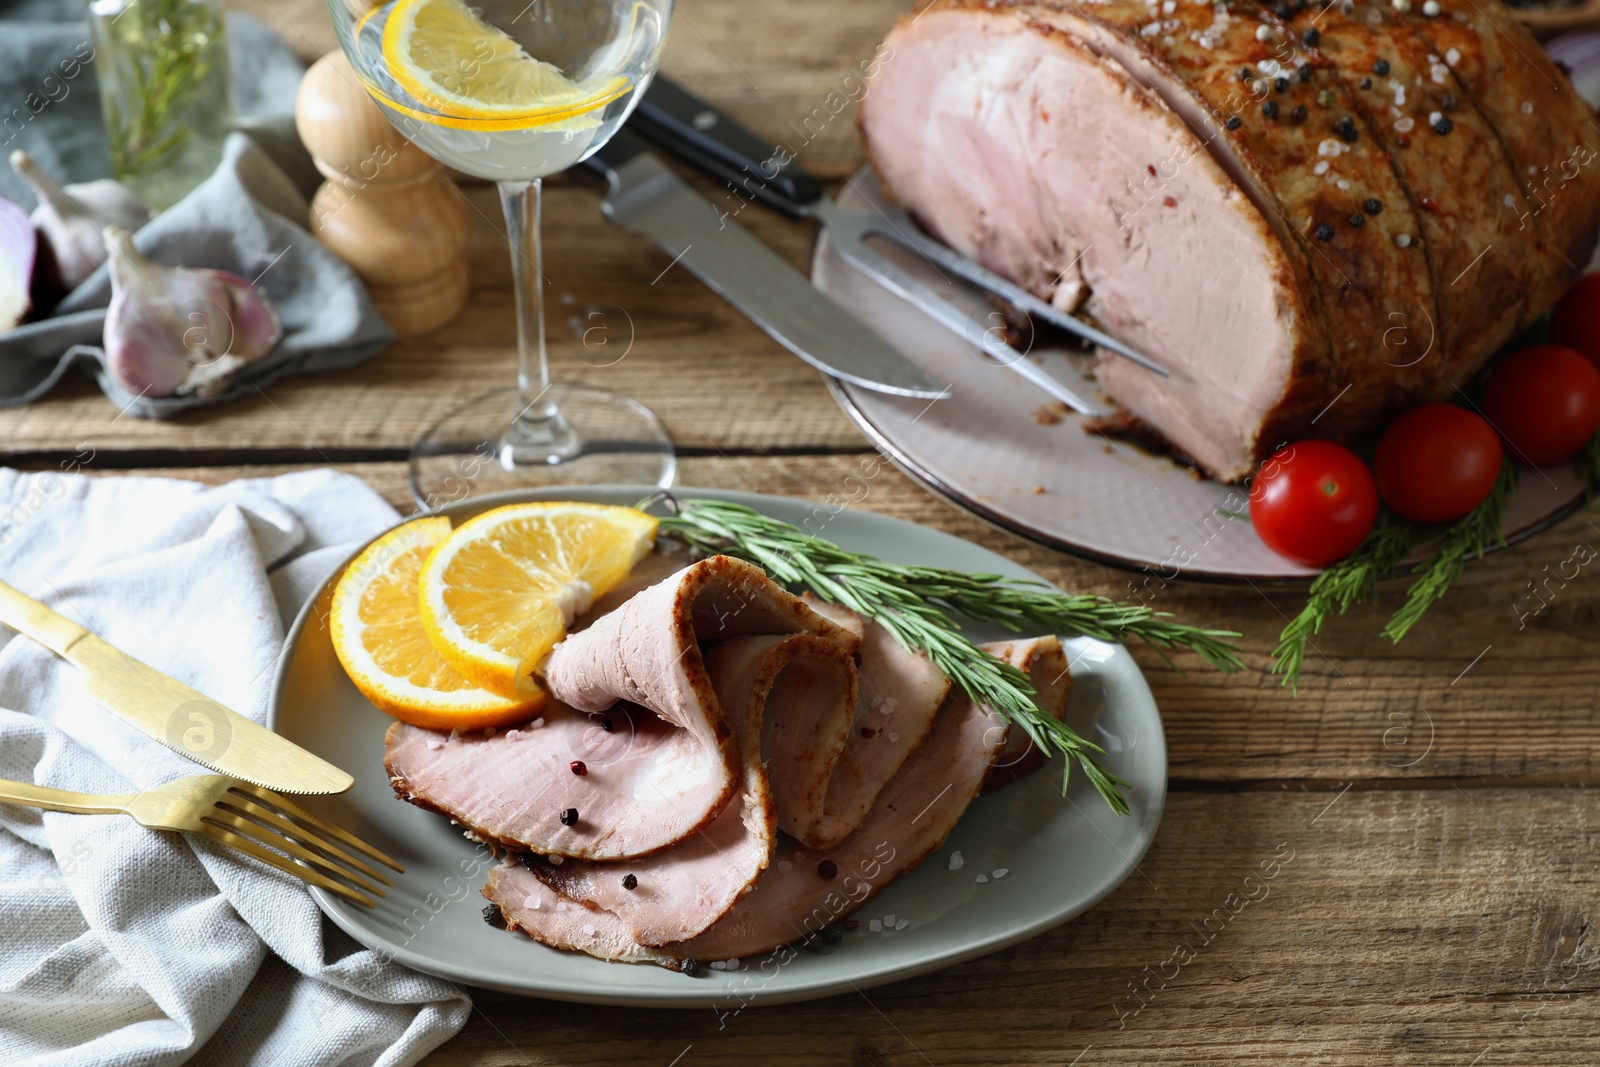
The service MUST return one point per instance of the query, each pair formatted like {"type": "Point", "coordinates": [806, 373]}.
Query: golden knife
{"type": "Point", "coordinates": [183, 719]}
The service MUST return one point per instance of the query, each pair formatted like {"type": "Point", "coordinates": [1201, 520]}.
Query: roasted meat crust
{"type": "Point", "coordinates": [1433, 183]}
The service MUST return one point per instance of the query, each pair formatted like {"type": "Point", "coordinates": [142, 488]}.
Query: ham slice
{"type": "Point", "coordinates": [807, 889]}
{"type": "Point", "coordinates": [1045, 662]}
{"type": "Point", "coordinates": [900, 693]}
{"type": "Point", "coordinates": [512, 788]}
{"type": "Point", "coordinates": [672, 765]}
{"type": "Point", "coordinates": [803, 680]}
{"type": "Point", "coordinates": [527, 904]}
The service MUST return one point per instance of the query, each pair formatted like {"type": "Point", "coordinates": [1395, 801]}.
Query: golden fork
{"type": "Point", "coordinates": [242, 816]}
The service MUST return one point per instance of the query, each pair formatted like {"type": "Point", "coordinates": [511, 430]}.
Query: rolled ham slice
{"type": "Point", "coordinates": [672, 764]}
{"type": "Point", "coordinates": [804, 681]}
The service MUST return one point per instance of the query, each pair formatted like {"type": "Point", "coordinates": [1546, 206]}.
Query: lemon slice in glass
{"type": "Point", "coordinates": [453, 62]}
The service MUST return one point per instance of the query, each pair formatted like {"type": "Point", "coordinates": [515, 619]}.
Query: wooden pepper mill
{"type": "Point", "coordinates": [387, 208]}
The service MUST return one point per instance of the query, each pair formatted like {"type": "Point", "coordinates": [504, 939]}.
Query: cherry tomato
{"type": "Point", "coordinates": [1545, 401]}
{"type": "Point", "coordinates": [1437, 462]}
{"type": "Point", "coordinates": [1576, 322]}
{"type": "Point", "coordinates": [1313, 502]}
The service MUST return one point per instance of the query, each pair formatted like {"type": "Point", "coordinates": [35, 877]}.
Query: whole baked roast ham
{"type": "Point", "coordinates": [1315, 216]}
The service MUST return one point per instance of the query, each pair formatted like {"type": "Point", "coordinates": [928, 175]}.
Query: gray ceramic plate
{"type": "Point", "coordinates": [1029, 858]}
{"type": "Point", "coordinates": [1079, 492]}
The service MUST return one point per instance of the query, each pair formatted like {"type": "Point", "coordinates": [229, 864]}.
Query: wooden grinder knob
{"type": "Point", "coordinates": [387, 208]}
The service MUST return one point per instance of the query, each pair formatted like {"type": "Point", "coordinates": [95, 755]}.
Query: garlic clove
{"type": "Point", "coordinates": [19, 248]}
{"type": "Point", "coordinates": [255, 325]}
{"type": "Point", "coordinates": [173, 331]}
{"type": "Point", "coordinates": [70, 217]}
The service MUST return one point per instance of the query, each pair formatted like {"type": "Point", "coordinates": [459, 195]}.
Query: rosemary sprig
{"type": "Point", "coordinates": [915, 604]}
{"type": "Point", "coordinates": [1352, 580]}
{"type": "Point", "coordinates": [168, 48]}
{"type": "Point", "coordinates": [1468, 536]}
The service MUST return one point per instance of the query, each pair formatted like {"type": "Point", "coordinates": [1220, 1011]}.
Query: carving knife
{"type": "Point", "coordinates": [687, 126]}
{"type": "Point", "coordinates": [647, 198]}
{"type": "Point", "coordinates": [183, 719]}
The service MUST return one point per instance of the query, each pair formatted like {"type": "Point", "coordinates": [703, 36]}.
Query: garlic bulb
{"type": "Point", "coordinates": [172, 331]}
{"type": "Point", "coordinates": [70, 217]}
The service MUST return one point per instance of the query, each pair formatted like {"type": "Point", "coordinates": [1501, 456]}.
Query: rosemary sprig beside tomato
{"type": "Point", "coordinates": [1442, 475]}
{"type": "Point", "coordinates": [1469, 536]}
{"type": "Point", "coordinates": [1352, 580]}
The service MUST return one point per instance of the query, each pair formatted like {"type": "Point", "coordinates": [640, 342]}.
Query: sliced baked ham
{"type": "Point", "coordinates": [806, 889]}
{"type": "Point", "coordinates": [798, 696]}
{"type": "Point", "coordinates": [810, 889]}
{"type": "Point", "coordinates": [803, 680]}
{"type": "Point", "coordinates": [673, 764]}
{"type": "Point", "coordinates": [1247, 198]}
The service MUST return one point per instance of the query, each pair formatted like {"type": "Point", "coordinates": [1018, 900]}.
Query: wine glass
{"type": "Point", "coordinates": [512, 91]}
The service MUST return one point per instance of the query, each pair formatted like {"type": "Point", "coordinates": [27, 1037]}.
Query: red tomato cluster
{"type": "Point", "coordinates": [1315, 501]}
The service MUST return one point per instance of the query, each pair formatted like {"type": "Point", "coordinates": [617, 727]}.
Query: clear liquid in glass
{"type": "Point", "coordinates": [593, 45]}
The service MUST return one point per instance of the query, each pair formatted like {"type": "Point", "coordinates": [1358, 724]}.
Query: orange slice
{"type": "Point", "coordinates": [377, 632]}
{"type": "Point", "coordinates": [501, 591]}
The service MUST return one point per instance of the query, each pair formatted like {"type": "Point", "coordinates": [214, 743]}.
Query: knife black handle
{"type": "Point", "coordinates": [697, 132]}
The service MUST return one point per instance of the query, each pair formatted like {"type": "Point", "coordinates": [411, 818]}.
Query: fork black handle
{"type": "Point", "coordinates": [697, 132]}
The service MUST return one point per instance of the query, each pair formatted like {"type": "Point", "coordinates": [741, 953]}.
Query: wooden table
{"type": "Point", "coordinates": [1433, 794]}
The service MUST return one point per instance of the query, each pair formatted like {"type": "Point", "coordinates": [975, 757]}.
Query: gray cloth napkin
{"type": "Point", "coordinates": [250, 217]}
{"type": "Point", "coordinates": [121, 945]}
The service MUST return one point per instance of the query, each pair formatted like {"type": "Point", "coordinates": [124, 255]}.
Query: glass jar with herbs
{"type": "Point", "coordinates": [165, 90]}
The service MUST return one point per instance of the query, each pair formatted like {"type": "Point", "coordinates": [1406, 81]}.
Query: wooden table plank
{"type": "Point", "coordinates": [1367, 711]}
{"type": "Point", "coordinates": [1413, 928]}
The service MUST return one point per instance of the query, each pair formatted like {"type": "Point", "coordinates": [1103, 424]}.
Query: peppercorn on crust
{"type": "Point", "coordinates": [1384, 156]}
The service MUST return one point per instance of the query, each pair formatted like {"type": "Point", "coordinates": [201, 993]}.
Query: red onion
{"type": "Point", "coordinates": [1580, 53]}
{"type": "Point", "coordinates": [19, 248]}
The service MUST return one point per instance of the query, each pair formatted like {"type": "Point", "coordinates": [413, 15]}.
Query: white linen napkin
{"type": "Point", "coordinates": [123, 945]}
